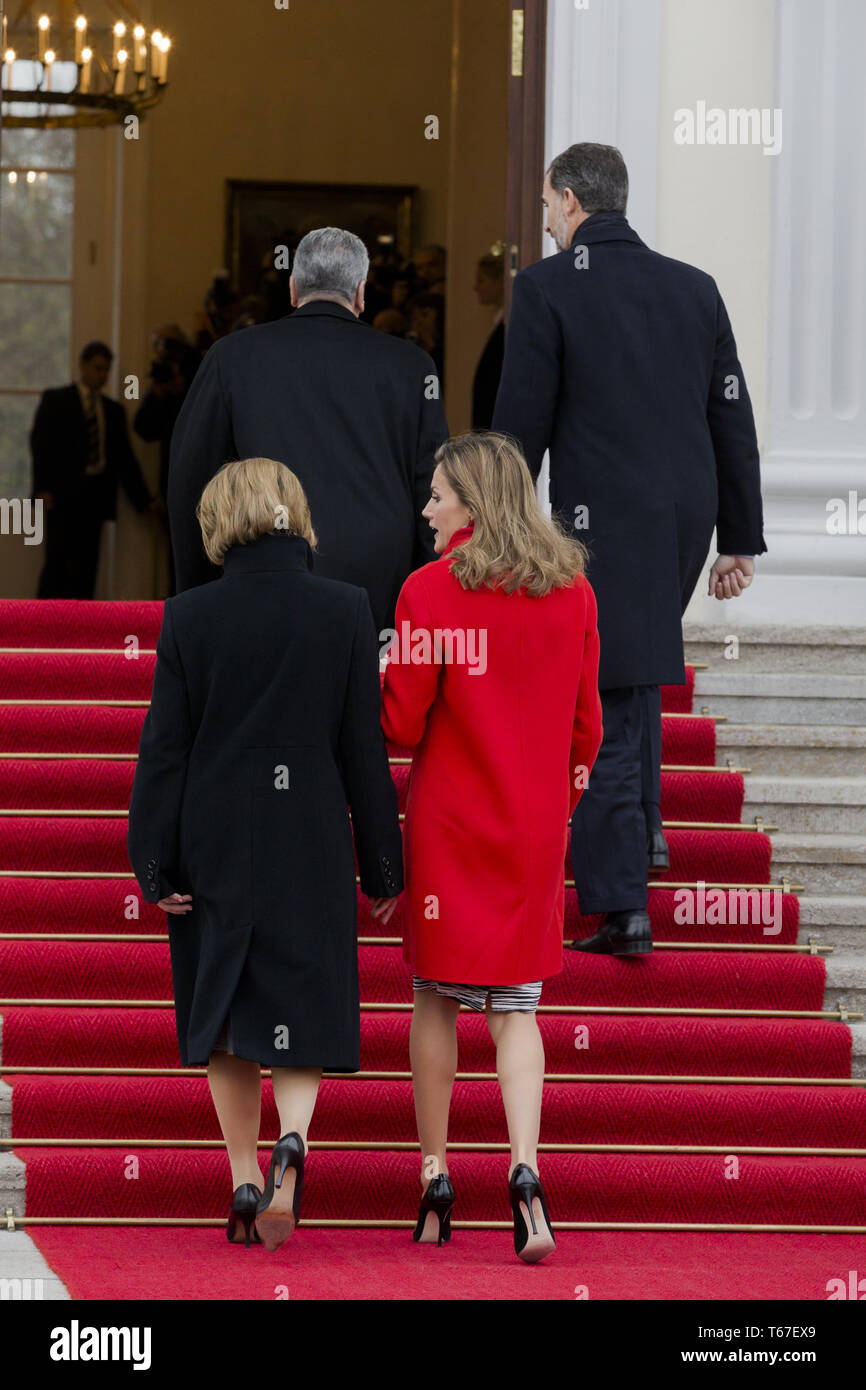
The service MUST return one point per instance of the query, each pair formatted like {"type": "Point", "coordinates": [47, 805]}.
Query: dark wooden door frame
{"type": "Point", "coordinates": [526, 115]}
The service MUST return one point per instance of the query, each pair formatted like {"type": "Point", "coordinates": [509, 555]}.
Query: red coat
{"type": "Point", "coordinates": [490, 789]}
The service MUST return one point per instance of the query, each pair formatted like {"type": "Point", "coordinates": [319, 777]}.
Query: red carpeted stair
{"type": "Point", "coordinates": [662, 1070]}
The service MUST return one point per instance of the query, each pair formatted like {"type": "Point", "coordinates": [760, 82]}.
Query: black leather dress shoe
{"type": "Point", "coordinates": [657, 853]}
{"type": "Point", "coordinates": [621, 934]}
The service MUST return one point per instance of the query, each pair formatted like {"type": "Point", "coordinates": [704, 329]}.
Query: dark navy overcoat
{"type": "Point", "coordinates": [622, 362]}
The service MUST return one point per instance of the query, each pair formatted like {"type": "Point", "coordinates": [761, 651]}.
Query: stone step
{"type": "Point", "coordinates": [21, 1259]}
{"type": "Point", "coordinates": [858, 1048]}
{"type": "Point", "coordinates": [832, 865]}
{"type": "Point", "coordinates": [793, 749]}
{"type": "Point", "coordinates": [832, 805]}
{"type": "Point", "coordinates": [833, 921]}
{"type": "Point", "coordinates": [749, 697]}
{"type": "Point", "coordinates": [846, 981]}
{"type": "Point", "coordinates": [772, 648]}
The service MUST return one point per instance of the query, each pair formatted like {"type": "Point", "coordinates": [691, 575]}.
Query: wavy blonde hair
{"type": "Point", "coordinates": [248, 499]}
{"type": "Point", "coordinates": [514, 545]}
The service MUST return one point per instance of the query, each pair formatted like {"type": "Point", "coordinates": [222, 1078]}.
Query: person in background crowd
{"type": "Point", "coordinates": [430, 268]}
{"type": "Point", "coordinates": [622, 362]}
{"type": "Point", "coordinates": [427, 328]}
{"type": "Point", "coordinates": [490, 288]}
{"type": "Point", "coordinates": [175, 363]}
{"type": "Point", "coordinates": [81, 451]}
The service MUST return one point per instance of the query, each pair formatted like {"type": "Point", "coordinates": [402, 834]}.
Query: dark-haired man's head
{"type": "Point", "coordinates": [490, 280]}
{"type": "Point", "coordinates": [94, 364]}
{"type": "Point", "coordinates": [584, 179]}
{"type": "Point", "coordinates": [430, 263]}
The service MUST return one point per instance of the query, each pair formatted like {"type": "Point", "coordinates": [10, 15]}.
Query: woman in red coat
{"type": "Point", "coordinates": [492, 679]}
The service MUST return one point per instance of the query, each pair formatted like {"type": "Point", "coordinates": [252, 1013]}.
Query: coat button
{"type": "Point", "coordinates": [151, 863]}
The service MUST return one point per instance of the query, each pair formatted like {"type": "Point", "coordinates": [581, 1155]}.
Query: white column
{"type": "Point", "coordinates": [603, 63]}
{"type": "Point", "coordinates": [816, 424]}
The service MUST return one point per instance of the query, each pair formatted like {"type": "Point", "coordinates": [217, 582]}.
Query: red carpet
{"type": "Point", "coordinates": [671, 1142]}
{"type": "Point", "coordinates": [191, 1264]}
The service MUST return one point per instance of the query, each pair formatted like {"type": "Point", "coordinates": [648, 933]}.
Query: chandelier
{"type": "Point", "coordinates": [64, 67]}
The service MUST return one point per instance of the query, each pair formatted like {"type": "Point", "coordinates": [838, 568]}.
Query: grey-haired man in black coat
{"type": "Point", "coordinates": [355, 413]}
{"type": "Point", "coordinates": [623, 364]}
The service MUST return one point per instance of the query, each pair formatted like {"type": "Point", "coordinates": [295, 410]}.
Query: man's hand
{"type": "Point", "coordinates": [383, 907]}
{"type": "Point", "coordinates": [730, 576]}
{"type": "Point", "coordinates": [179, 903]}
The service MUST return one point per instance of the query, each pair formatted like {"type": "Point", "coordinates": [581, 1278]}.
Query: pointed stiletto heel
{"type": "Point", "coordinates": [524, 1190]}
{"type": "Point", "coordinates": [434, 1216]}
{"type": "Point", "coordinates": [279, 1208]}
{"type": "Point", "coordinates": [243, 1213]}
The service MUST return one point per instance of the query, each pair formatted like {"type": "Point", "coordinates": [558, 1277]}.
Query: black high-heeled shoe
{"type": "Point", "coordinates": [279, 1208]}
{"type": "Point", "coordinates": [436, 1203]}
{"type": "Point", "coordinates": [243, 1213]}
{"type": "Point", "coordinates": [524, 1189]}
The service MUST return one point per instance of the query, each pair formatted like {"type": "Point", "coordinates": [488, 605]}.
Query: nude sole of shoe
{"type": "Point", "coordinates": [276, 1223]}
{"type": "Point", "coordinates": [540, 1245]}
{"type": "Point", "coordinates": [430, 1233]}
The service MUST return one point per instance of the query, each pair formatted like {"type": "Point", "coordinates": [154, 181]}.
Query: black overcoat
{"type": "Point", "coordinates": [353, 412]}
{"type": "Point", "coordinates": [622, 362]}
{"type": "Point", "coordinates": [264, 725]}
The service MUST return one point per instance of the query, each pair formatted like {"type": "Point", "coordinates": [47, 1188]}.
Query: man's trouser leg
{"type": "Point", "coordinates": [608, 829]}
{"type": "Point", "coordinates": [651, 755]}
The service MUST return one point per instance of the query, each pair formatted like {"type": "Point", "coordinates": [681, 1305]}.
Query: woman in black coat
{"type": "Point", "coordinates": [264, 724]}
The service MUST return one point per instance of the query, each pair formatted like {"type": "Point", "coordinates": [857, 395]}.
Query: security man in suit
{"type": "Point", "coordinates": [623, 364]}
{"type": "Point", "coordinates": [81, 450]}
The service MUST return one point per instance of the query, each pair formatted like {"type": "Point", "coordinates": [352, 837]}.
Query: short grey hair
{"type": "Point", "coordinates": [330, 261]}
{"type": "Point", "coordinates": [596, 175]}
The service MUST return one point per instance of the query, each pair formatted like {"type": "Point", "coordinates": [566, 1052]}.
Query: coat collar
{"type": "Point", "coordinates": [276, 550]}
{"type": "Point", "coordinates": [605, 226]}
{"type": "Point", "coordinates": [464, 533]}
{"type": "Point", "coordinates": [329, 307]}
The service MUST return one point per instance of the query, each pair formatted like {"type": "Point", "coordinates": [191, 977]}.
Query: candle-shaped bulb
{"type": "Point", "coordinates": [118, 31]}
{"type": "Point", "coordinates": [31, 176]}
{"type": "Point", "coordinates": [84, 80]}
{"type": "Point", "coordinates": [80, 33]}
{"type": "Point", "coordinates": [9, 56]}
{"type": "Point", "coordinates": [13, 175]}
{"type": "Point", "coordinates": [163, 65]}
{"type": "Point", "coordinates": [43, 25]}
{"type": "Point", "coordinates": [140, 48]}
{"type": "Point", "coordinates": [122, 56]}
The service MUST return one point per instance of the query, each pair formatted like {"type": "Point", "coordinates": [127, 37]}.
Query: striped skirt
{"type": "Point", "coordinates": [504, 999]}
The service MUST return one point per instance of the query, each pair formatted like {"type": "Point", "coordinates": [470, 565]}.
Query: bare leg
{"type": "Point", "coordinates": [433, 1051]}
{"type": "Point", "coordinates": [520, 1068]}
{"type": "Point", "coordinates": [236, 1088]}
{"type": "Point", "coordinates": [295, 1092]}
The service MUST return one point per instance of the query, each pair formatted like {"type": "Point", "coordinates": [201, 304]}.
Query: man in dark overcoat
{"type": "Point", "coordinates": [623, 364]}
{"type": "Point", "coordinates": [354, 413]}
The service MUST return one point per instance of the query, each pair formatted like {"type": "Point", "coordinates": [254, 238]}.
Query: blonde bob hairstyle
{"type": "Point", "coordinates": [248, 499]}
{"type": "Point", "coordinates": [514, 545]}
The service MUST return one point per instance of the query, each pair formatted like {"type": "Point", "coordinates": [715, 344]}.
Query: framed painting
{"type": "Point", "coordinates": [261, 215]}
